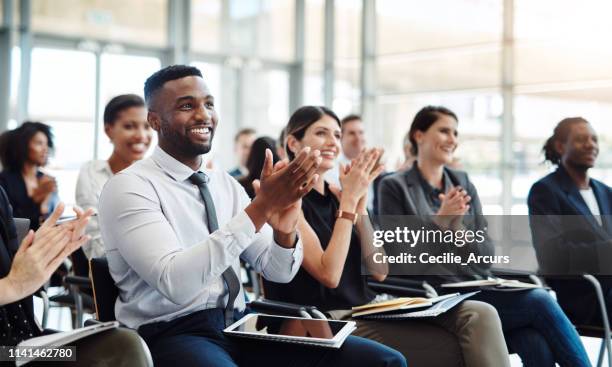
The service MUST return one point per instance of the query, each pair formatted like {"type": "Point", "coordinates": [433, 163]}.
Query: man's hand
{"type": "Point", "coordinates": [284, 221]}
{"type": "Point", "coordinates": [281, 187]}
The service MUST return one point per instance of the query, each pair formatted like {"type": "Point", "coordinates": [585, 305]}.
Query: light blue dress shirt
{"type": "Point", "coordinates": [163, 259]}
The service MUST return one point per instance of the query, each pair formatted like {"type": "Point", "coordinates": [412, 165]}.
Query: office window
{"type": "Point", "coordinates": [561, 71]}
{"type": "Point", "coordinates": [266, 101]}
{"type": "Point", "coordinates": [347, 58]}
{"type": "Point", "coordinates": [62, 94]}
{"type": "Point", "coordinates": [206, 25]}
{"type": "Point", "coordinates": [131, 21]}
{"type": "Point", "coordinates": [262, 28]}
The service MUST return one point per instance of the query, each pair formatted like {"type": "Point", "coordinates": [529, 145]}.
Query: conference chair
{"type": "Point", "coordinates": [105, 293]}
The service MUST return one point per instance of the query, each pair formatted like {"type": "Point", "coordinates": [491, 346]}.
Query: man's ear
{"type": "Point", "coordinates": [293, 144]}
{"type": "Point", "coordinates": [559, 147]}
{"type": "Point", "coordinates": [154, 120]}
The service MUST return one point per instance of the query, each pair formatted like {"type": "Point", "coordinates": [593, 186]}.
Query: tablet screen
{"type": "Point", "coordinates": [284, 326]}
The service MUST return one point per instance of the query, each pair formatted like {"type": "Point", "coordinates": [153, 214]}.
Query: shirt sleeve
{"type": "Point", "coordinates": [274, 262]}
{"type": "Point", "coordinates": [87, 197]}
{"type": "Point", "coordinates": [133, 223]}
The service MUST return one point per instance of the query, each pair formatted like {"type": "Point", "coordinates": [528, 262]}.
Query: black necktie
{"type": "Point", "coordinates": [229, 276]}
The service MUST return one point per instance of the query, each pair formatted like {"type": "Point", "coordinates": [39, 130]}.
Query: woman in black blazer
{"type": "Point", "coordinates": [23, 151]}
{"type": "Point", "coordinates": [534, 325]}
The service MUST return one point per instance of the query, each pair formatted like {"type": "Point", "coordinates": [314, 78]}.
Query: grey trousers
{"type": "Point", "coordinates": [470, 335]}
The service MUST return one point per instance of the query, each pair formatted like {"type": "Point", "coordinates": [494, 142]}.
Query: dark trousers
{"type": "Point", "coordinates": [536, 328]}
{"type": "Point", "coordinates": [197, 340]}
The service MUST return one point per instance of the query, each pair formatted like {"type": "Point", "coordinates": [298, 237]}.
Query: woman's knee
{"type": "Point", "coordinates": [481, 314]}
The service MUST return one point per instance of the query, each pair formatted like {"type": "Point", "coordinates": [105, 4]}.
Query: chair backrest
{"type": "Point", "coordinates": [104, 289]}
{"type": "Point", "coordinates": [23, 226]}
{"type": "Point", "coordinates": [80, 265]}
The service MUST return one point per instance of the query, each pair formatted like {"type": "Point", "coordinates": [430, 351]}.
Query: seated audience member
{"type": "Point", "coordinates": [352, 142]}
{"type": "Point", "coordinates": [534, 325]}
{"type": "Point", "coordinates": [126, 125]}
{"type": "Point", "coordinates": [280, 145]}
{"type": "Point", "coordinates": [570, 220]}
{"type": "Point", "coordinates": [23, 152]}
{"type": "Point", "coordinates": [174, 233]}
{"type": "Point", "coordinates": [242, 146]}
{"type": "Point", "coordinates": [25, 267]}
{"type": "Point", "coordinates": [255, 162]}
{"type": "Point", "coordinates": [335, 247]}
{"type": "Point", "coordinates": [409, 158]}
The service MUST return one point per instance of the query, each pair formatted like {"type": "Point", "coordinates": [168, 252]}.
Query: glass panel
{"type": "Point", "coordinates": [347, 63]}
{"type": "Point", "coordinates": [347, 90]}
{"type": "Point", "coordinates": [69, 112]}
{"type": "Point", "coordinates": [74, 143]}
{"type": "Point", "coordinates": [206, 18]}
{"type": "Point", "coordinates": [62, 85]}
{"type": "Point", "coordinates": [556, 43]}
{"type": "Point", "coordinates": [313, 84]}
{"type": "Point", "coordinates": [133, 21]}
{"type": "Point", "coordinates": [15, 77]}
{"type": "Point", "coordinates": [314, 30]}
{"type": "Point", "coordinates": [122, 74]}
{"type": "Point", "coordinates": [262, 28]}
{"type": "Point", "coordinates": [477, 67]}
{"type": "Point", "coordinates": [348, 29]}
{"type": "Point", "coordinates": [266, 101]}
{"type": "Point", "coordinates": [409, 25]}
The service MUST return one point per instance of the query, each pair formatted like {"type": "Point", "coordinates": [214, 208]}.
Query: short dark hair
{"type": "Point", "coordinates": [560, 134]}
{"type": "Point", "coordinates": [245, 131]}
{"type": "Point", "coordinates": [349, 118]}
{"type": "Point", "coordinates": [301, 120]}
{"type": "Point", "coordinates": [156, 81]}
{"type": "Point", "coordinates": [423, 120]}
{"type": "Point", "coordinates": [119, 104]}
{"type": "Point", "coordinates": [14, 144]}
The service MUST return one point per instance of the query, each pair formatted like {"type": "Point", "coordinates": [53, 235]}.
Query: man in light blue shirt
{"type": "Point", "coordinates": [173, 243]}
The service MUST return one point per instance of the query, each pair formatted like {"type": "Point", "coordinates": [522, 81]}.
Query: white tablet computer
{"type": "Point", "coordinates": [322, 333]}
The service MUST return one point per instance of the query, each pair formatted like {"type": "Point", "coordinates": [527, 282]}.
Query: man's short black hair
{"type": "Point", "coordinates": [349, 118]}
{"type": "Point", "coordinates": [156, 81]}
{"type": "Point", "coordinates": [120, 103]}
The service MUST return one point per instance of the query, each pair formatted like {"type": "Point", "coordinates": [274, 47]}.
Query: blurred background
{"type": "Point", "coordinates": [510, 69]}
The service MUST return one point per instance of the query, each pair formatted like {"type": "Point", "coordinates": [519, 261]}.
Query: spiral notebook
{"type": "Point", "coordinates": [434, 310]}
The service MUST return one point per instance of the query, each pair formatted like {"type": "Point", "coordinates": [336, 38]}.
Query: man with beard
{"type": "Point", "coordinates": [570, 220]}
{"type": "Point", "coordinates": [174, 232]}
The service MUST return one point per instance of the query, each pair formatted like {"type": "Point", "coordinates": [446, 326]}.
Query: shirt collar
{"type": "Point", "coordinates": [103, 166]}
{"type": "Point", "coordinates": [177, 170]}
{"type": "Point", "coordinates": [428, 188]}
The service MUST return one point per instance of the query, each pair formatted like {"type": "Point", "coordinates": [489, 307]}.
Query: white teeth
{"type": "Point", "coordinates": [139, 146]}
{"type": "Point", "coordinates": [201, 130]}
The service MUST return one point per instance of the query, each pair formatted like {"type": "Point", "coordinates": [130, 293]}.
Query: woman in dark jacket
{"type": "Point", "coordinates": [534, 325]}
{"type": "Point", "coordinates": [23, 152]}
